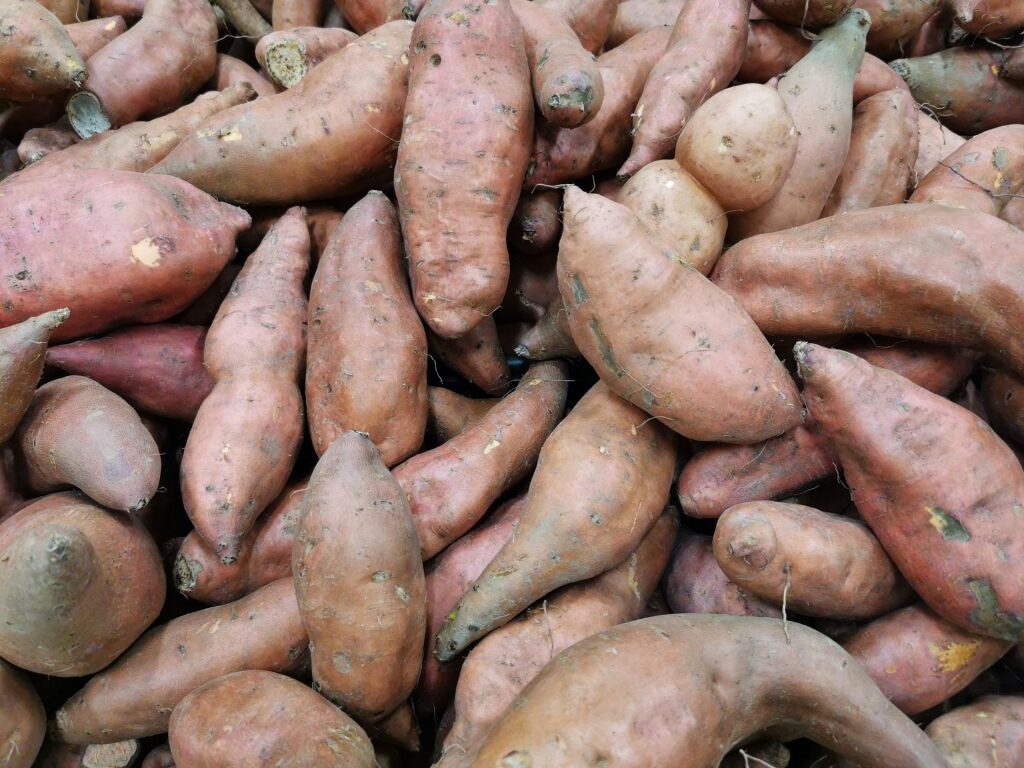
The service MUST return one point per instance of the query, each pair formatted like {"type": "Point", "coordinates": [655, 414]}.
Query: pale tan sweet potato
{"type": "Point", "coordinates": [806, 14]}
{"type": "Point", "coordinates": [289, 55]}
{"type": "Point", "coordinates": [450, 414]}
{"type": "Point", "coordinates": [38, 57]}
{"type": "Point", "coordinates": [22, 354]}
{"type": "Point", "coordinates": [24, 722]}
{"type": "Point", "coordinates": [987, 733]}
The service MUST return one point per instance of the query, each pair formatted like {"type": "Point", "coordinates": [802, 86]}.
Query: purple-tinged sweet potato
{"type": "Point", "coordinates": [289, 55]}
{"type": "Point", "coordinates": [991, 18]}
{"type": "Point", "coordinates": [135, 695]}
{"type": "Point", "coordinates": [230, 71]}
{"type": "Point", "coordinates": [1003, 395]}
{"type": "Point", "coordinates": [38, 143]}
{"type": "Point", "coordinates": [935, 144]}
{"type": "Point", "coordinates": [90, 36]}
{"type": "Point", "coordinates": [157, 368]}
{"type": "Point", "coordinates": [659, 334]}
{"type": "Point", "coordinates": [451, 487]}
{"type": "Point", "coordinates": [895, 22]}
{"type": "Point", "coordinates": [988, 733]}
{"type": "Point", "coordinates": [805, 14]}
{"type": "Point", "coordinates": [11, 498]}
{"type": "Point", "coordinates": [246, 436]}
{"type": "Point", "coordinates": [601, 481]}
{"type": "Point", "coordinates": [289, 14]}
{"type": "Point", "coordinates": [24, 721]}
{"type": "Point", "coordinates": [366, 366]}
{"type": "Point", "coordinates": [164, 240]}
{"type": "Point", "coordinates": [633, 17]}
{"type": "Point", "coordinates": [450, 414]}
{"type": "Point", "coordinates": [22, 354]}
{"type": "Point", "coordinates": [591, 20]}
{"type": "Point", "coordinates": [919, 660]}
{"type": "Point", "coordinates": [477, 356]}
{"type": "Point", "coordinates": [262, 718]}
{"type": "Point", "coordinates": [81, 584]}
{"type": "Point", "coordinates": [38, 57]}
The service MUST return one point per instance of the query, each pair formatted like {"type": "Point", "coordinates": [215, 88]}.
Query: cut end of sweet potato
{"type": "Point", "coordinates": [286, 62]}
{"type": "Point", "coordinates": [86, 115]}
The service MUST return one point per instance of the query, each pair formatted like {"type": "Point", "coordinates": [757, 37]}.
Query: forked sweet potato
{"type": "Point", "coordinates": [895, 22]}
{"type": "Point", "coordinates": [633, 17]}
{"type": "Point", "coordinates": [22, 353]}
{"type": "Point", "coordinates": [38, 57]}
{"type": "Point", "coordinates": [289, 55]}
{"type": "Point", "coordinates": [24, 723]}
{"type": "Point", "coordinates": [806, 14]}
{"type": "Point", "coordinates": [477, 356]}
{"type": "Point", "coordinates": [451, 414]}
{"type": "Point", "coordinates": [935, 144]}
{"type": "Point", "coordinates": [1004, 403]}
{"type": "Point", "coordinates": [987, 733]}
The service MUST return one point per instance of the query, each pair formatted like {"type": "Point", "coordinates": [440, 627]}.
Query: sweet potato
{"type": "Point", "coordinates": [354, 99]}
{"type": "Point", "coordinates": [159, 757]}
{"type": "Point", "coordinates": [135, 695]}
{"type": "Point", "coordinates": [89, 36]}
{"type": "Point", "coordinates": [772, 48]}
{"type": "Point", "coordinates": [992, 18]}
{"type": "Point", "coordinates": [450, 414]}
{"type": "Point", "coordinates": [173, 52]}
{"type": "Point", "coordinates": [129, 9]}
{"type": "Point", "coordinates": [230, 71]}
{"type": "Point", "coordinates": [532, 284]}
{"type": "Point", "coordinates": [261, 718]}
{"type": "Point", "coordinates": [1013, 66]}
{"type": "Point", "coordinates": [503, 664]}
{"type": "Point", "coordinates": [935, 143]}
{"type": "Point", "coordinates": [817, 92]}
{"type": "Point", "coordinates": [927, 280]}
{"type": "Point", "coordinates": [81, 584]}
{"type": "Point", "coordinates": [987, 733]}
{"type": "Point", "coordinates": [883, 150]}
{"type": "Point", "coordinates": [740, 144]}
{"type": "Point", "coordinates": [366, 15]}
{"type": "Point", "coordinates": [930, 37]}
{"type": "Point", "coordinates": [806, 14]}
{"type": "Point", "coordinates": [451, 487]}
{"type": "Point", "coordinates": [24, 723]}
{"type": "Point", "coordinates": [583, 513]}
{"type": "Point", "coordinates": [118, 754]}
{"type": "Point", "coordinates": [164, 240]}
{"type": "Point", "coordinates": [1013, 212]}
{"type": "Point", "coordinates": [536, 223]}
{"type": "Point", "coordinates": [918, 659]}
{"type": "Point", "coordinates": [37, 143]}
{"type": "Point", "coordinates": [288, 55]}
{"type": "Point", "coordinates": [635, 16]}
{"type": "Point", "coordinates": [67, 11]}
{"type": "Point", "coordinates": [963, 88]}
{"type": "Point", "coordinates": [477, 356]}
{"type": "Point", "coordinates": [359, 581]}
{"type": "Point", "coordinates": [895, 22]}
{"type": "Point", "coordinates": [644, 687]}
{"type": "Point", "coordinates": [550, 337]}
{"type": "Point", "coordinates": [459, 169]}
{"type": "Point", "coordinates": [669, 358]}
{"type": "Point", "coordinates": [37, 58]}
{"type": "Point", "coordinates": [264, 555]}
{"type": "Point", "coordinates": [289, 14]}
{"type": "Point", "coordinates": [22, 352]}
{"type": "Point", "coordinates": [703, 55]}
{"type": "Point", "coordinates": [157, 368]}
{"type": "Point", "coordinates": [949, 542]}
{"type": "Point", "coordinates": [591, 20]}
{"type": "Point", "coordinates": [245, 438]}
{"type": "Point", "coordinates": [1003, 395]}
{"type": "Point", "coordinates": [366, 366]}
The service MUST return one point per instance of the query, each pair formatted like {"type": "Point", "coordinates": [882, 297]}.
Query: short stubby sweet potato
{"type": "Point", "coordinates": [644, 687]}
{"type": "Point", "coordinates": [988, 733]}
{"type": "Point", "coordinates": [895, 22]}
{"type": "Point", "coordinates": [633, 17]}
{"type": "Point", "coordinates": [262, 718]}
{"type": "Point", "coordinates": [1003, 395]}
{"type": "Point", "coordinates": [687, 354]}
{"type": "Point", "coordinates": [451, 414]}
{"type": "Point", "coordinates": [22, 354]}
{"type": "Point", "coordinates": [806, 14]}
{"type": "Point", "coordinates": [289, 55]}
{"type": "Point", "coordinates": [81, 583]}
{"type": "Point", "coordinates": [935, 144]}
{"type": "Point", "coordinates": [38, 58]}
{"type": "Point", "coordinates": [164, 240]}
{"type": "Point", "coordinates": [24, 723]}
{"type": "Point", "coordinates": [919, 660]}
{"type": "Point", "coordinates": [477, 356]}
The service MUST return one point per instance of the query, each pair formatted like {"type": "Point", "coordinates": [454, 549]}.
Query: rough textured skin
{"type": "Point", "coordinates": [591, 20]}
{"type": "Point", "coordinates": [1004, 403]}
{"type": "Point", "coordinates": [38, 57]}
{"type": "Point", "coordinates": [80, 585]}
{"type": "Point", "coordinates": [245, 438]}
{"type": "Point", "coordinates": [289, 14]}
{"type": "Point", "coordinates": [503, 664]}
{"type": "Point", "coordinates": [460, 168]}
{"type": "Point", "coordinates": [740, 144]}
{"type": "Point", "coordinates": [359, 579]}
{"type": "Point", "coordinates": [77, 432]}
{"type": "Point", "coordinates": [883, 150]}
{"type": "Point", "coordinates": [22, 353]}
{"type": "Point", "coordinates": [164, 240]}
{"type": "Point", "coordinates": [261, 718]}
{"type": "Point", "coordinates": [135, 695]}
{"type": "Point", "coordinates": [355, 99]}
{"type": "Point", "coordinates": [536, 223]}
{"type": "Point", "coordinates": [601, 481]}
{"type": "Point", "coordinates": [820, 564]}
{"type": "Point", "coordinates": [366, 366]}
{"type": "Point", "coordinates": [264, 555]}
{"type": "Point", "coordinates": [919, 660]}
{"type": "Point", "coordinates": [366, 15]}
{"type": "Point", "coordinates": [659, 333]}
{"type": "Point", "coordinates": [451, 487]}
{"type": "Point", "coordinates": [989, 733]}
{"type": "Point", "coordinates": [288, 56]}
{"type": "Point", "coordinates": [157, 368]}
{"type": "Point", "coordinates": [703, 55]}
{"type": "Point", "coordinates": [230, 71]}
{"type": "Point", "coordinates": [24, 723]}
{"type": "Point", "coordinates": [935, 143]}
{"type": "Point", "coordinates": [806, 14]}
{"type": "Point", "coordinates": [895, 22]}
{"type": "Point", "coordinates": [450, 414]}
{"type": "Point", "coordinates": [992, 18]}
{"type": "Point", "coordinates": [817, 93]}
{"type": "Point", "coordinates": [902, 270]}
{"type": "Point", "coordinates": [894, 440]}
{"type": "Point", "coordinates": [477, 356]}
{"type": "Point", "coordinates": [633, 17]}
{"type": "Point", "coordinates": [645, 689]}
{"type": "Point", "coordinates": [90, 36]}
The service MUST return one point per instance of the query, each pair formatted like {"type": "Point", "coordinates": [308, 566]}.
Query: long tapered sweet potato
{"type": "Point", "coordinates": [451, 487]}
{"type": "Point", "coordinates": [451, 414]}
{"type": "Point", "coordinates": [646, 691]}
{"type": "Point", "coordinates": [601, 482]}
{"type": "Point", "coordinates": [477, 356]}
{"type": "Point", "coordinates": [24, 723]}
{"type": "Point", "coordinates": [919, 660]}
{"type": "Point", "coordinates": [632, 17]}
{"type": "Point", "coordinates": [289, 55]}
{"type": "Point", "coordinates": [806, 14]}
{"type": "Point", "coordinates": [157, 368]}
{"type": "Point", "coordinates": [1004, 397]}
{"type": "Point", "coordinates": [38, 57]}
{"type": "Point", "coordinates": [992, 18]}
{"type": "Point", "coordinates": [81, 584]}
{"type": "Point", "coordinates": [22, 353]}
{"type": "Point", "coordinates": [893, 438]}
{"type": "Point", "coordinates": [366, 366]}
{"type": "Point", "coordinates": [135, 695]}
{"type": "Point", "coordinates": [256, 153]}
{"type": "Point", "coordinates": [935, 144]}
{"type": "Point", "coordinates": [643, 318]}
{"type": "Point", "coordinates": [262, 718]}
{"type": "Point", "coordinates": [988, 733]}
{"type": "Point", "coordinates": [359, 580]}
{"type": "Point", "coordinates": [459, 169]}
{"type": "Point", "coordinates": [245, 438]}
{"type": "Point", "coordinates": [89, 36]}
{"type": "Point", "coordinates": [703, 55]}
{"type": "Point", "coordinates": [230, 71]}
{"type": "Point", "coordinates": [895, 22]}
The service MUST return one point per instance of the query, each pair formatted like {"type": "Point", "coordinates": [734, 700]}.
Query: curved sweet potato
{"type": "Point", "coordinates": [450, 414]}
{"type": "Point", "coordinates": [644, 687]}
{"type": "Point", "coordinates": [987, 733]}
{"type": "Point", "coordinates": [230, 71]}
{"type": "Point", "coordinates": [289, 14]}
{"type": "Point", "coordinates": [895, 22]}
{"type": "Point", "coordinates": [477, 356]}
{"type": "Point", "coordinates": [366, 15]}
{"type": "Point", "coordinates": [288, 55]}
{"type": "Point", "coordinates": [38, 57]}
{"type": "Point", "coordinates": [366, 366]}
{"type": "Point", "coordinates": [935, 143]}
{"type": "Point", "coordinates": [90, 36]}
{"type": "Point", "coordinates": [245, 438]}
{"type": "Point", "coordinates": [81, 584]}
{"type": "Point", "coordinates": [24, 723]}
{"type": "Point", "coordinates": [1003, 395]}
{"type": "Point", "coordinates": [806, 14]}
{"type": "Point", "coordinates": [992, 18]}
{"type": "Point", "coordinates": [633, 17]}
{"type": "Point", "coordinates": [261, 718]}
{"type": "Point", "coordinates": [135, 695]}
{"type": "Point", "coordinates": [668, 358]}
{"type": "Point", "coordinates": [22, 353]}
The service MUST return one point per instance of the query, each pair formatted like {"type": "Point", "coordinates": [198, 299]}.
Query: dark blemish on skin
{"type": "Point", "coordinates": [988, 615]}
{"type": "Point", "coordinates": [948, 525]}
{"type": "Point", "coordinates": [579, 292]}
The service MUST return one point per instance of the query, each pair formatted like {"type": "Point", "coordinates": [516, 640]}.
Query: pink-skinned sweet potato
{"type": "Point", "coordinates": [24, 723]}
{"type": "Point", "coordinates": [477, 356]}
{"type": "Point", "coordinates": [991, 18]}
{"type": "Point", "coordinates": [805, 14]}
{"type": "Point", "coordinates": [1013, 66]}
{"type": "Point", "coordinates": [451, 487]}
{"type": "Point", "coordinates": [289, 55]}
{"type": "Point", "coordinates": [89, 36]}
{"type": "Point", "coordinates": [38, 57]}
{"type": "Point", "coordinates": [988, 733]}
{"type": "Point", "coordinates": [82, 583]}
{"type": "Point", "coordinates": [451, 414]}
{"type": "Point", "coordinates": [22, 354]}
{"type": "Point", "coordinates": [661, 335]}
{"type": "Point", "coordinates": [230, 71]}
{"type": "Point", "coordinates": [935, 144]}
{"type": "Point", "coordinates": [550, 337]}
{"type": "Point", "coordinates": [289, 14]}
{"type": "Point", "coordinates": [366, 15]}
{"type": "Point", "coordinates": [536, 223]}
{"type": "Point", "coordinates": [38, 143]}
{"type": "Point", "coordinates": [129, 9]}
{"type": "Point", "coordinates": [164, 240]}
{"type": "Point", "coordinates": [1013, 213]}
{"type": "Point", "coordinates": [591, 20]}
{"type": "Point", "coordinates": [895, 22]}
{"type": "Point", "coordinates": [633, 17]}
{"type": "Point", "coordinates": [583, 514]}
{"type": "Point", "coordinates": [159, 757]}
{"type": "Point", "coordinates": [1003, 395]}
{"type": "Point", "coordinates": [532, 285]}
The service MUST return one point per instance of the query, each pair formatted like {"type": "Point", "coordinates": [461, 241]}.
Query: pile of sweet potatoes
{"type": "Point", "coordinates": [512, 384]}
